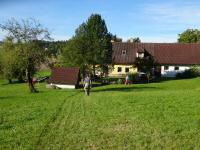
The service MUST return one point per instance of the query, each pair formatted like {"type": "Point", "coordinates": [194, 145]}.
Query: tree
{"type": "Point", "coordinates": [1, 66]}
{"type": "Point", "coordinates": [75, 54]}
{"type": "Point", "coordinates": [29, 54]}
{"type": "Point", "coordinates": [91, 46]}
{"type": "Point", "coordinates": [189, 36]}
{"type": "Point", "coordinates": [99, 42]}
{"type": "Point", "coordinates": [114, 38]}
{"type": "Point", "coordinates": [8, 61]}
{"type": "Point", "coordinates": [134, 40]}
{"type": "Point", "coordinates": [53, 49]}
{"type": "Point", "coordinates": [146, 64]}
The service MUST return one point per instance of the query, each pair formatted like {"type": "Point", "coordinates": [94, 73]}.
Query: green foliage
{"type": "Point", "coordinates": [112, 80]}
{"type": "Point", "coordinates": [145, 64]}
{"type": "Point", "coordinates": [75, 54]}
{"type": "Point", "coordinates": [139, 116]}
{"type": "Point", "coordinates": [24, 39]}
{"type": "Point", "coordinates": [134, 77]}
{"type": "Point", "coordinates": [120, 81]}
{"type": "Point", "coordinates": [90, 46]}
{"type": "Point", "coordinates": [42, 73]}
{"type": "Point", "coordinates": [9, 59]}
{"type": "Point", "coordinates": [189, 36]}
{"type": "Point", "coordinates": [114, 38]}
{"type": "Point", "coordinates": [1, 61]}
{"type": "Point", "coordinates": [134, 40]}
{"type": "Point", "coordinates": [190, 73]}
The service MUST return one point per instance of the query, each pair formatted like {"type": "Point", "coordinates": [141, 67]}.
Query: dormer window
{"type": "Point", "coordinates": [140, 55]}
{"type": "Point", "coordinates": [123, 52]}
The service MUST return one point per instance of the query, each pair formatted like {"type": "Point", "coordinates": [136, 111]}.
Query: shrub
{"type": "Point", "coordinates": [113, 80]}
{"type": "Point", "coordinates": [190, 73]}
{"type": "Point", "coordinates": [134, 78]}
{"type": "Point", "coordinates": [120, 81]}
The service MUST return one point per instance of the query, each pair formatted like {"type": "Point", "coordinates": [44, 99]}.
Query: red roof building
{"type": "Point", "coordinates": [164, 53]}
{"type": "Point", "coordinates": [65, 77]}
{"type": "Point", "coordinates": [172, 57]}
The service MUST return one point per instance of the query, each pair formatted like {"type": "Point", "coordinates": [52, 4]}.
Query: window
{"type": "Point", "coordinates": [140, 55]}
{"type": "Point", "coordinates": [126, 69]}
{"type": "Point", "coordinates": [123, 52]}
{"type": "Point", "coordinates": [176, 68]}
{"type": "Point", "coordinates": [166, 67]}
{"type": "Point", "coordinates": [119, 69]}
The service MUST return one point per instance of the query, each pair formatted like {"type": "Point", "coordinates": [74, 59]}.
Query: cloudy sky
{"type": "Point", "coordinates": [151, 20]}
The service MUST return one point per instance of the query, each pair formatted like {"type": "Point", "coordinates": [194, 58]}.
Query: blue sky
{"type": "Point", "coordinates": [151, 20]}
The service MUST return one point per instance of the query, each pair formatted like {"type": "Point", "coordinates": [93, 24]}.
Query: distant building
{"type": "Point", "coordinates": [65, 77]}
{"type": "Point", "coordinates": [172, 58]}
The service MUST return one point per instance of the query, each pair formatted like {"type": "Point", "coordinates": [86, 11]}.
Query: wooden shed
{"type": "Point", "coordinates": [65, 77]}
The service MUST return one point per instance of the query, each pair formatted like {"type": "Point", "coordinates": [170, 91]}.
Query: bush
{"type": "Point", "coordinates": [190, 73]}
{"type": "Point", "coordinates": [134, 78]}
{"type": "Point", "coordinates": [113, 80]}
{"type": "Point", "coordinates": [120, 81]}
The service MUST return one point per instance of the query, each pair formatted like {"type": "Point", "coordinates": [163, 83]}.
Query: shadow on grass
{"type": "Point", "coordinates": [13, 83]}
{"type": "Point", "coordinates": [124, 89]}
{"type": "Point", "coordinates": [7, 97]}
{"type": "Point", "coordinates": [164, 79]}
{"type": "Point", "coordinates": [93, 85]}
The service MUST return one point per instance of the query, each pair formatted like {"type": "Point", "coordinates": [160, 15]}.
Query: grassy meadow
{"type": "Point", "coordinates": [163, 115]}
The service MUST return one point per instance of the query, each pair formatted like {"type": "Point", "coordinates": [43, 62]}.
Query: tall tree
{"type": "Point", "coordinates": [189, 36]}
{"type": "Point", "coordinates": [99, 42]}
{"type": "Point", "coordinates": [25, 35]}
{"type": "Point", "coordinates": [91, 45]}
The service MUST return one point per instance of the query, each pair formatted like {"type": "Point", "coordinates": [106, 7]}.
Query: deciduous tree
{"type": "Point", "coordinates": [26, 34]}
{"type": "Point", "coordinates": [189, 36]}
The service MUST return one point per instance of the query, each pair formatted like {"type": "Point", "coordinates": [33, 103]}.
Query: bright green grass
{"type": "Point", "coordinates": [162, 115]}
{"type": "Point", "coordinates": [43, 73]}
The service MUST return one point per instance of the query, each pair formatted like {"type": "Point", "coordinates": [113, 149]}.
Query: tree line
{"type": "Point", "coordinates": [28, 44]}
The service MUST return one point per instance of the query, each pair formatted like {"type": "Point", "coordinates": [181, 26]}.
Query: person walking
{"type": "Point", "coordinates": [127, 80]}
{"type": "Point", "coordinates": [87, 85]}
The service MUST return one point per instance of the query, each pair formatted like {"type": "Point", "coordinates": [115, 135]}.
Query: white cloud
{"type": "Point", "coordinates": [174, 13]}
{"type": "Point", "coordinates": [155, 38]}
{"type": "Point", "coordinates": [163, 21]}
{"type": "Point", "coordinates": [160, 39]}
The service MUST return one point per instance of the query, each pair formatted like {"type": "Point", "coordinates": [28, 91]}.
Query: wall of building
{"type": "Point", "coordinates": [64, 86]}
{"type": "Point", "coordinates": [171, 72]}
{"type": "Point", "coordinates": [114, 71]}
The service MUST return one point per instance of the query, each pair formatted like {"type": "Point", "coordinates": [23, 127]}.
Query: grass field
{"type": "Point", "coordinates": [163, 115]}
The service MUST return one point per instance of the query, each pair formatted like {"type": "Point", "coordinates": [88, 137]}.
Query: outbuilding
{"type": "Point", "coordinates": [65, 77]}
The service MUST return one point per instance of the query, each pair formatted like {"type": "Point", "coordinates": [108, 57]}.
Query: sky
{"type": "Point", "coordinates": [150, 20]}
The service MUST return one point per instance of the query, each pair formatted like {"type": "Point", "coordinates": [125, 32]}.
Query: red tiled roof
{"type": "Point", "coordinates": [164, 53]}
{"type": "Point", "coordinates": [65, 76]}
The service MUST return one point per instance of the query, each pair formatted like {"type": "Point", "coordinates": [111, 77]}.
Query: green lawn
{"type": "Point", "coordinates": [163, 115]}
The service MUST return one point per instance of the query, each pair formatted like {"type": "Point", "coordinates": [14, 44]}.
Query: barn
{"type": "Point", "coordinates": [65, 77]}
